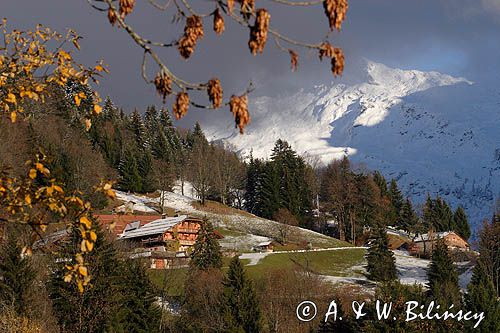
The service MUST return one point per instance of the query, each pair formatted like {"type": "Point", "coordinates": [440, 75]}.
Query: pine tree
{"type": "Point", "coordinates": [443, 277]}
{"type": "Point", "coordinates": [407, 217]}
{"type": "Point", "coordinates": [253, 187]}
{"type": "Point", "coordinates": [461, 223]}
{"type": "Point", "coordinates": [480, 298]}
{"type": "Point", "coordinates": [381, 261]}
{"type": "Point", "coordinates": [206, 252]}
{"type": "Point", "coordinates": [241, 307]}
{"type": "Point", "coordinates": [137, 312]}
{"type": "Point", "coordinates": [130, 178]}
{"type": "Point", "coordinates": [138, 130]}
{"type": "Point", "coordinates": [397, 202]}
{"type": "Point", "coordinates": [89, 311]}
{"type": "Point", "coordinates": [17, 275]}
{"type": "Point", "coordinates": [381, 183]}
{"type": "Point", "coordinates": [145, 170]}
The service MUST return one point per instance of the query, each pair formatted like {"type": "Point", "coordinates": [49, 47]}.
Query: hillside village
{"type": "Point", "coordinates": [117, 219]}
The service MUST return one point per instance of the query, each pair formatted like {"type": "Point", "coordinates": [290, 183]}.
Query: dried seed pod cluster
{"type": "Point", "coordinates": [181, 105]}
{"type": "Point", "coordinates": [336, 11]}
{"type": "Point", "coordinates": [193, 31]}
{"type": "Point", "coordinates": [215, 93]}
{"type": "Point", "coordinates": [294, 60]}
{"type": "Point", "coordinates": [338, 62]}
{"type": "Point", "coordinates": [238, 105]}
{"type": "Point", "coordinates": [335, 54]}
{"type": "Point", "coordinates": [112, 17]}
{"type": "Point", "coordinates": [230, 6]}
{"type": "Point", "coordinates": [218, 22]}
{"type": "Point", "coordinates": [126, 7]}
{"type": "Point", "coordinates": [163, 84]}
{"type": "Point", "coordinates": [247, 8]}
{"type": "Point", "coordinates": [258, 33]}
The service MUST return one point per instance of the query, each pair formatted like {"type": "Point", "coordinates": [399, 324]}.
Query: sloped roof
{"type": "Point", "coordinates": [436, 235]}
{"type": "Point", "coordinates": [154, 228]}
{"type": "Point", "coordinates": [121, 221]}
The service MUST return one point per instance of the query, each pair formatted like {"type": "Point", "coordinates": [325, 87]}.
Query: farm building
{"type": "Point", "coordinates": [424, 244]}
{"type": "Point", "coordinates": [117, 223]}
{"type": "Point", "coordinates": [264, 247]}
{"type": "Point", "coordinates": [175, 233]}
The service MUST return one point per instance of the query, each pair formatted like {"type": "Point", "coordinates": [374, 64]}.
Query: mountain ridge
{"type": "Point", "coordinates": [433, 132]}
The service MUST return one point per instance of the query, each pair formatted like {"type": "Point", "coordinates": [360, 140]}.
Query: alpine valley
{"type": "Point", "coordinates": [432, 132]}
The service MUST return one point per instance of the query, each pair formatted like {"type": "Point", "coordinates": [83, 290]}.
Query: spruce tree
{"type": "Point", "coordinates": [443, 277]}
{"type": "Point", "coordinates": [379, 179]}
{"type": "Point", "coordinates": [206, 251]}
{"type": "Point", "coordinates": [381, 261]}
{"type": "Point", "coordinates": [17, 275]}
{"type": "Point", "coordinates": [129, 176]}
{"type": "Point", "coordinates": [241, 307]}
{"type": "Point", "coordinates": [89, 311]}
{"type": "Point", "coordinates": [137, 312]}
{"type": "Point", "coordinates": [461, 223]}
{"type": "Point", "coordinates": [480, 297]}
{"type": "Point", "coordinates": [407, 217]}
{"type": "Point", "coordinates": [397, 202]}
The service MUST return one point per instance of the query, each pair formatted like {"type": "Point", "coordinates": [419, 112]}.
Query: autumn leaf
{"type": "Point", "coordinates": [86, 222]}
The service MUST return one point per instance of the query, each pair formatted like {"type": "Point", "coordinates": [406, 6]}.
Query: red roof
{"type": "Point", "coordinates": [121, 221]}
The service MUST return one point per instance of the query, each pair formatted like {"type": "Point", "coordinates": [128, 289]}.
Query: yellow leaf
{"type": "Point", "coordinates": [13, 116]}
{"type": "Point", "coordinates": [111, 194]}
{"type": "Point", "coordinates": [85, 221]}
{"type": "Point", "coordinates": [88, 124]}
{"type": "Point", "coordinates": [43, 227]}
{"type": "Point", "coordinates": [32, 174]}
{"type": "Point", "coordinates": [97, 109]}
{"type": "Point", "coordinates": [68, 278]}
{"type": "Point", "coordinates": [99, 68]}
{"type": "Point", "coordinates": [11, 98]}
{"type": "Point", "coordinates": [77, 100]}
{"type": "Point", "coordinates": [90, 245]}
{"type": "Point", "coordinates": [79, 258]}
{"type": "Point", "coordinates": [83, 246]}
{"type": "Point", "coordinates": [83, 270]}
{"type": "Point", "coordinates": [39, 166]}
{"type": "Point", "coordinates": [27, 198]}
{"type": "Point", "coordinates": [93, 236]}
{"type": "Point", "coordinates": [58, 188]}
{"type": "Point", "coordinates": [75, 43]}
{"type": "Point", "coordinates": [80, 286]}
{"type": "Point", "coordinates": [107, 186]}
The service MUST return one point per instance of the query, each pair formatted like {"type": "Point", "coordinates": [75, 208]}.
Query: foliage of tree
{"type": "Point", "coordinates": [241, 307]}
{"type": "Point", "coordinates": [381, 261]}
{"type": "Point", "coordinates": [461, 223]}
{"type": "Point", "coordinates": [206, 251]}
{"type": "Point", "coordinates": [17, 275]}
{"type": "Point", "coordinates": [480, 297]}
{"type": "Point", "coordinates": [443, 278]}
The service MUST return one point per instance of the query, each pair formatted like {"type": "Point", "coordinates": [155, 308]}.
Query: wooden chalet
{"type": "Point", "coordinates": [117, 223]}
{"type": "Point", "coordinates": [425, 243]}
{"type": "Point", "coordinates": [264, 247]}
{"type": "Point", "coordinates": [175, 233]}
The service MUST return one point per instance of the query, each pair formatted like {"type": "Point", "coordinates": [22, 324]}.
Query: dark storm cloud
{"type": "Point", "coordinates": [459, 37]}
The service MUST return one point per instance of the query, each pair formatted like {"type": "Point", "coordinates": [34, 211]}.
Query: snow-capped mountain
{"type": "Point", "coordinates": [432, 132]}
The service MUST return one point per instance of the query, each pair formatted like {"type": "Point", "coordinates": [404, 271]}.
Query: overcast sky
{"type": "Point", "coordinates": [457, 37]}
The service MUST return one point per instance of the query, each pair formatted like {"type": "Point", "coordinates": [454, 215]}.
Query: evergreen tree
{"type": "Point", "coordinates": [443, 278]}
{"type": "Point", "coordinates": [130, 178]}
{"type": "Point", "coordinates": [136, 126]}
{"type": "Point", "coordinates": [397, 202]}
{"type": "Point", "coordinates": [17, 275]}
{"type": "Point", "coordinates": [381, 262]}
{"type": "Point", "coordinates": [461, 223]}
{"type": "Point", "coordinates": [271, 191]}
{"type": "Point", "coordinates": [254, 185]}
{"type": "Point", "coordinates": [145, 170]}
{"type": "Point", "coordinates": [241, 307]}
{"type": "Point", "coordinates": [407, 217]}
{"type": "Point", "coordinates": [381, 183]}
{"type": "Point", "coordinates": [480, 298]}
{"type": "Point", "coordinates": [206, 252]}
{"type": "Point", "coordinates": [137, 312]}
{"type": "Point", "coordinates": [89, 311]}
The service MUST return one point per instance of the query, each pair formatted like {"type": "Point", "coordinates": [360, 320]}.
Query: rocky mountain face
{"type": "Point", "coordinates": [432, 132]}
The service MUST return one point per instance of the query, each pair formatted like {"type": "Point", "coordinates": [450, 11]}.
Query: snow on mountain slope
{"type": "Point", "coordinates": [432, 132]}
